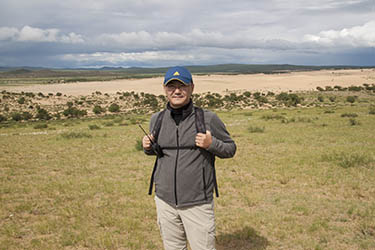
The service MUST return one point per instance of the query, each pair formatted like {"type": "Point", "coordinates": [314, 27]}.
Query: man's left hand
{"type": "Point", "coordinates": [203, 140]}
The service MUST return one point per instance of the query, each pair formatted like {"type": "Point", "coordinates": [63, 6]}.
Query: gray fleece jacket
{"type": "Point", "coordinates": [185, 176]}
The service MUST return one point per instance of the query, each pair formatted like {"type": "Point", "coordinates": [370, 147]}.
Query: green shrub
{"type": "Point", "coordinates": [321, 98]}
{"type": "Point", "coordinates": [93, 127]}
{"type": "Point", "coordinates": [75, 135]}
{"type": "Point", "coordinates": [349, 160]}
{"type": "Point", "coordinates": [329, 111]}
{"type": "Point", "coordinates": [16, 116]}
{"type": "Point", "coordinates": [354, 122]}
{"type": "Point", "coordinates": [247, 94]}
{"type": "Point", "coordinates": [21, 100]}
{"type": "Point", "coordinates": [289, 99]}
{"type": "Point", "coordinates": [98, 109]}
{"type": "Point", "coordinates": [351, 99]}
{"type": "Point", "coordinates": [114, 108]}
{"type": "Point", "coordinates": [26, 116]}
{"type": "Point", "coordinates": [332, 98]}
{"type": "Point", "coordinates": [42, 114]}
{"type": "Point", "coordinates": [41, 126]}
{"type": "Point", "coordinates": [355, 88]}
{"type": "Point", "coordinates": [353, 115]}
{"type": "Point", "coordinates": [74, 112]}
{"type": "Point", "coordinates": [272, 117]}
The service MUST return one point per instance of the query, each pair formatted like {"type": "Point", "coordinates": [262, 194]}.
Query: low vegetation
{"type": "Point", "coordinates": [302, 178]}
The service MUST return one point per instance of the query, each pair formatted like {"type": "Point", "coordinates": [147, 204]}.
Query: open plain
{"type": "Point", "coordinates": [302, 178]}
{"type": "Point", "coordinates": [293, 81]}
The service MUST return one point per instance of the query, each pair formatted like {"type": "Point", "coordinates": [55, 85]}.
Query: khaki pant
{"type": "Point", "coordinates": [196, 223]}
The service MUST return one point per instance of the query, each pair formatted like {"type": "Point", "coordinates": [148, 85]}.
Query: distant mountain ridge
{"type": "Point", "coordinates": [121, 72]}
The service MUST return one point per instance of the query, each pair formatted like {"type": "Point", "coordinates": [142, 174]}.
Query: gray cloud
{"type": "Point", "coordinates": [161, 33]}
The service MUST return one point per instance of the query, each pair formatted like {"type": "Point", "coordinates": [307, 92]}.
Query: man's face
{"type": "Point", "coordinates": [178, 94]}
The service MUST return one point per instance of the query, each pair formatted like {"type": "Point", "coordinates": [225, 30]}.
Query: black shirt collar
{"type": "Point", "coordinates": [185, 111]}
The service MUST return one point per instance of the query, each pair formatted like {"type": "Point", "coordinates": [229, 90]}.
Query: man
{"type": "Point", "coordinates": [184, 175]}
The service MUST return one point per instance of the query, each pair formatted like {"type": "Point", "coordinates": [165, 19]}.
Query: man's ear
{"type": "Point", "coordinates": [192, 87]}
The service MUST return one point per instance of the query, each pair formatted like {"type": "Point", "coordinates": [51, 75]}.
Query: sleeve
{"type": "Point", "coordinates": [222, 144]}
{"type": "Point", "coordinates": [152, 124]}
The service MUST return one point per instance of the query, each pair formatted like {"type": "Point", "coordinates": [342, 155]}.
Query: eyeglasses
{"type": "Point", "coordinates": [173, 87]}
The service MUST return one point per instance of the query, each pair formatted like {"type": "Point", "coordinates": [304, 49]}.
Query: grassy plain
{"type": "Point", "coordinates": [302, 178]}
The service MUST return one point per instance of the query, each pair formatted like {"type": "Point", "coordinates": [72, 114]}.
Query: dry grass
{"type": "Point", "coordinates": [286, 188]}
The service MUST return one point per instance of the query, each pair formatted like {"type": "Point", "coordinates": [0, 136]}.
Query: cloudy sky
{"type": "Point", "coordinates": [153, 33]}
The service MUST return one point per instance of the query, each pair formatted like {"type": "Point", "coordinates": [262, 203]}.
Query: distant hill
{"type": "Point", "coordinates": [139, 72]}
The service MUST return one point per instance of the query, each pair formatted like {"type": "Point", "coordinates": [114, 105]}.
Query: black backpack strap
{"type": "Point", "coordinates": [201, 128]}
{"type": "Point", "coordinates": [199, 120]}
{"type": "Point", "coordinates": [155, 132]}
{"type": "Point", "coordinates": [156, 129]}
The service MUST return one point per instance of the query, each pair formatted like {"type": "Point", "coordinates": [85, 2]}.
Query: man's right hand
{"type": "Point", "coordinates": [146, 143]}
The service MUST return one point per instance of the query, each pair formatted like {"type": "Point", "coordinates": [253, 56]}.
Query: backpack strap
{"type": "Point", "coordinates": [201, 128]}
{"type": "Point", "coordinates": [199, 120]}
{"type": "Point", "coordinates": [155, 132]}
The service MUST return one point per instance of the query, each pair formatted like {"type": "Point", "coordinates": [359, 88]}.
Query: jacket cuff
{"type": "Point", "coordinates": [213, 146]}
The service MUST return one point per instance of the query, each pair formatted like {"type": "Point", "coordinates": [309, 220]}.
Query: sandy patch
{"type": "Point", "coordinates": [296, 81]}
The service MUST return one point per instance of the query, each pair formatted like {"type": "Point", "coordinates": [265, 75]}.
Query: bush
{"type": "Point", "coordinates": [21, 100]}
{"type": "Point", "coordinates": [329, 111]}
{"type": "Point", "coordinates": [114, 108]}
{"type": "Point", "coordinates": [74, 112]}
{"type": "Point", "coordinates": [43, 114]}
{"type": "Point", "coordinates": [354, 122]}
{"type": "Point", "coordinates": [58, 94]}
{"type": "Point", "coordinates": [93, 127]}
{"type": "Point", "coordinates": [332, 98]}
{"type": "Point", "coordinates": [349, 160]}
{"type": "Point", "coordinates": [352, 115]}
{"type": "Point", "coordinates": [19, 117]}
{"type": "Point", "coordinates": [41, 126]}
{"type": "Point", "coordinates": [26, 116]}
{"type": "Point", "coordinates": [289, 99]}
{"type": "Point", "coordinates": [98, 109]}
{"type": "Point", "coordinates": [355, 88]}
{"type": "Point", "coordinates": [247, 94]}
{"type": "Point", "coordinates": [320, 98]}
{"type": "Point", "coordinates": [351, 99]}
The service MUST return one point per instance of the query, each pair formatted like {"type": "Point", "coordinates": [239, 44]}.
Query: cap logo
{"type": "Point", "coordinates": [176, 73]}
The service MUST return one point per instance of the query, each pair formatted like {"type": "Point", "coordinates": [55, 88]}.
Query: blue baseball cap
{"type": "Point", "coordinates": [178, 73]}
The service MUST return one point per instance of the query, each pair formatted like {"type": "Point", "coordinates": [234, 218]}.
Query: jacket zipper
{"type": "Point", "coordinates": [175, 169]}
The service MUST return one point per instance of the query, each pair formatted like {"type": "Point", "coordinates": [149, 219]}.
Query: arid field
{"type": "Point", "coordinates": [294, 81]}
{"type": "Point", "coordinates": [73, 174]}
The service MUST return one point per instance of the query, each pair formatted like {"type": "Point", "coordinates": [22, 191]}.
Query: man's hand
{"type": "Point", "coordinates": [203, 140]}
{"type": "Point", "coordinates": [146, 143]}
